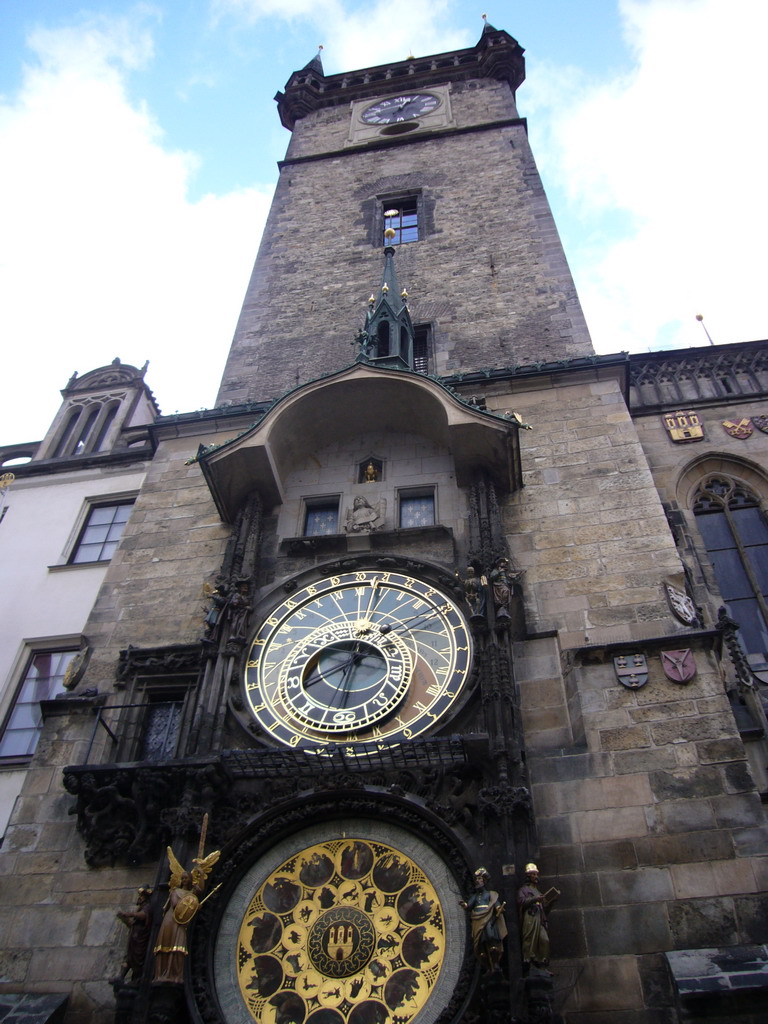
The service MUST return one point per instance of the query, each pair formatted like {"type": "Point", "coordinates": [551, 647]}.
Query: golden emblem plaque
{"type": "Point", "coordinates": [347, 931]}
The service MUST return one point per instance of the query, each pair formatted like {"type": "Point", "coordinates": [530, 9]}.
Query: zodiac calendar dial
{"type": "Point", "coordinates": [362, 657]}
{"type": "Point", "coordinates": [348, 931]}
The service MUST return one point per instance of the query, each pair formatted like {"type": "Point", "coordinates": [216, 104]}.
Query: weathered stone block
{"type": "Point", "coordinates": [55, 965]}
{"type": "Point", "coordinates": [686, 815]}
{"type": "Point", "coordinates": [739, 810]}
{"type": "Point", "coordinates": [566, 933]}
{"type": "Point", "coordinates": [719, 878]}
{"type": "Point", "coordinates": [555, 831]}
{"type": "Point", "coordinates": [684, 783]}
{"type": "Point", "coordinates": [738, 778]}
{"type": "Point", "coordinates": [616, 823]}
{"type": "Point", "coordinates": [709, 728]}
{"type": "Point", "coordinates": [599, 981]}
{"type": "Point", "coordinates": [642, 885]}
{"type": "Point", "coordinates": [644, 760]}
{"type": "Point", "coordinates": [628, 738]}
{"type": "Point", "coordinates": [566, 766]}
{"type": "Point", "coordinates": [632, 929]}
{"type": "Point", "coordinates": [47, 927]}
{"type": "Point", "coordinates": [563, 860]}
{"type": "Point", "coordinates": [680, 849]}
{"type": "Point", "coordinates": [752, 915]}
{"type": "Point", "coordinates": [713, 751]}
{"type": "Point", "coordinates": [656, 982]}
{"type": "Point", "coordinates": [704, 922]}
{"type": "Point", "coordinates": [619, 855]}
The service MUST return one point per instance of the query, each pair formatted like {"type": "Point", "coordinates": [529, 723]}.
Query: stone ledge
{"type": "Point", "coordinates": [709, 976]}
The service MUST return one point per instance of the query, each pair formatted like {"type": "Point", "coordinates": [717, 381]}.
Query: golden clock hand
{"type": "Point", "coordinates": [364, 625]}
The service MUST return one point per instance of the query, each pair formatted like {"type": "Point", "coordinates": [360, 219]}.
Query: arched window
{"type": "Point", "coordinates": [107, 418]}
{"type": "Point", "coordinates": [62, 448]}
{"type": "Point", "coordinates": [382, 349]}
{"type": "Point", "coordinates": [735, 533]}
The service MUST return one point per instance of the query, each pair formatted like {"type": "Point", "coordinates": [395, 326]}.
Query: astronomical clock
{"type": "Point", "coordinates": [352, 916]}
{"type": "Point", "coordinates": [350, 922]}
{"type": "Point", "coordinates": [360, 657]}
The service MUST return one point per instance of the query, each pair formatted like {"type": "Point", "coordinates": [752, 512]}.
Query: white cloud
{"type": "Point", "coordinates": [362, 36]}
{"type": "Point", "coordinates": [101, 251]}
{"type": "Point", "coordinates": [677, 150]}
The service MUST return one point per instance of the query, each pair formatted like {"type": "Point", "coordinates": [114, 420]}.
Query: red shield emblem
{"type": "Point", "coordinates": [742, 430]}
{"type": "Point", "coordinates": [761, 422]}
{"type": "Point", "coordinates": [631, 670]}
{"type": "Point", "coordinates": [679, 666]}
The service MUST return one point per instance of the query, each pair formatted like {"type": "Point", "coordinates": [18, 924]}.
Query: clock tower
{"type": "Point", "coordinates": [398, 616]}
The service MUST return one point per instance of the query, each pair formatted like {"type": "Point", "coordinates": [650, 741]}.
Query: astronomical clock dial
{"type": "Point", "coordinates": [347, 931]}
{"type": "Point", "coordinates": [400, 108]}
{"type": "Point", "coordinates": [365, 656]}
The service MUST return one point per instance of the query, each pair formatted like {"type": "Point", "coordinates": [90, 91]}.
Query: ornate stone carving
{"type": "Point", "coordinates": [365, 517]}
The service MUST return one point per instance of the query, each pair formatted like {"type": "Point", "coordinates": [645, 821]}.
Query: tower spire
{"type": "Point", "coordinates": [316, 64]}
{"type": "Point", "coordinates": [387, 336]}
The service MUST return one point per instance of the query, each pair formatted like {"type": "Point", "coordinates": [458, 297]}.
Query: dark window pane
{"type": "Point", "coordinates": [751, 526]}
{"type": "Point", "coordinates": [752, 625]}
{"type": "Point", "coordinates": [715, 531]}
{"type": "Point", "coordinates": [731, 577]}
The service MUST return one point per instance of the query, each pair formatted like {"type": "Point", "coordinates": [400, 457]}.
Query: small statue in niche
{"type": "Point", "coordinates": [239, 608]}
{"type": "Point", "coordinates": [139, 924]}
{"type": "Point", "coordinates": [474, 592]}
{"type": "Point", "coordinates": [219, 597]}
{"type": "Point", "coordinates": [183, 903]}
{"type": "Point", "coordinates": [501, 584]}
{"type": "Point", "coordinates": [486, 919]}
{"type": "Point", "coordinates": [370, 474]}
{"type": "Point", "coordinates": [364, 341]}
{"type": "Point", "coordinates": [364, 517]}
{"type": "Point", "coordinates": [532, 907]}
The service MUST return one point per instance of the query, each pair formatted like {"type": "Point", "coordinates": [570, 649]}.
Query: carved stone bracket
{"type": "Point", "coordinates": [173, 659]}
{"type": "Point", "coordinates": [128, 814]}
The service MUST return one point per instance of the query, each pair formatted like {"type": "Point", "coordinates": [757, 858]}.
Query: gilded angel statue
{"type": "Point", "coordinates": [185, 890]}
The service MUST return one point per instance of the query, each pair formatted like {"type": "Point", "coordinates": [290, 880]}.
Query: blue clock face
{"type": "Point", "coordinates": [401, 108]}
{"type": "Point", "coordinates": [362, 657]}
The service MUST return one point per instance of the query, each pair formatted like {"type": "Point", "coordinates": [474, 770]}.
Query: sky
{"type": "Point", "coordinates": [139, 142]}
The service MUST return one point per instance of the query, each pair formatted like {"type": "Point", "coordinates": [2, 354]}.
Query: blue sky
{"type": "Point", "coordinates": [138, 143]}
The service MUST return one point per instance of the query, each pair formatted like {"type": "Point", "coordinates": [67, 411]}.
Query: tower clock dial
{"type": "Point", "coordinates": [365, 656]}
{"type": "Point", "coordinates": [400, 108]}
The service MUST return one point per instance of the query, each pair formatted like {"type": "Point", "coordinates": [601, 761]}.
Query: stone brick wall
{"type": "Point", "coordinates": [173, 544]}
{"type": "Point", "coordinates": [57, 916]}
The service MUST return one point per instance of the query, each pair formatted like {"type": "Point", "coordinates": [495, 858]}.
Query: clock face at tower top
{"type": "Point", "coordinates": [400, 108]}
{"type": "Point", "coordinates": [361, 657]}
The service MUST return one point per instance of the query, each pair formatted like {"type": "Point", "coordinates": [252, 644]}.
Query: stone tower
{"type": "Point", "coordinates": [450, 154]}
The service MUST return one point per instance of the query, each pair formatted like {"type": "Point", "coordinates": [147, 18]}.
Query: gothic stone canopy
{"type": "Point", "coordinates": [361, 397]}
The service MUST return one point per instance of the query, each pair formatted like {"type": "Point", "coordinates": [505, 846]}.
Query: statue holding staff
{"type": "Point", "coordinates": [183, 903]}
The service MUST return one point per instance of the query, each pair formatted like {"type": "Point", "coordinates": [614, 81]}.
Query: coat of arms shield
{"type": "Point", "coordinates": [741, 430]}
{"type": "Point", "coordinates": [679, 666]}
{"type": "Point", "coordinates": [631, 670]}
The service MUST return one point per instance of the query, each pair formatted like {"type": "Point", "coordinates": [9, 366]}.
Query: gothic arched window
{"type": "Point", "coordinates": [735, 533]}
